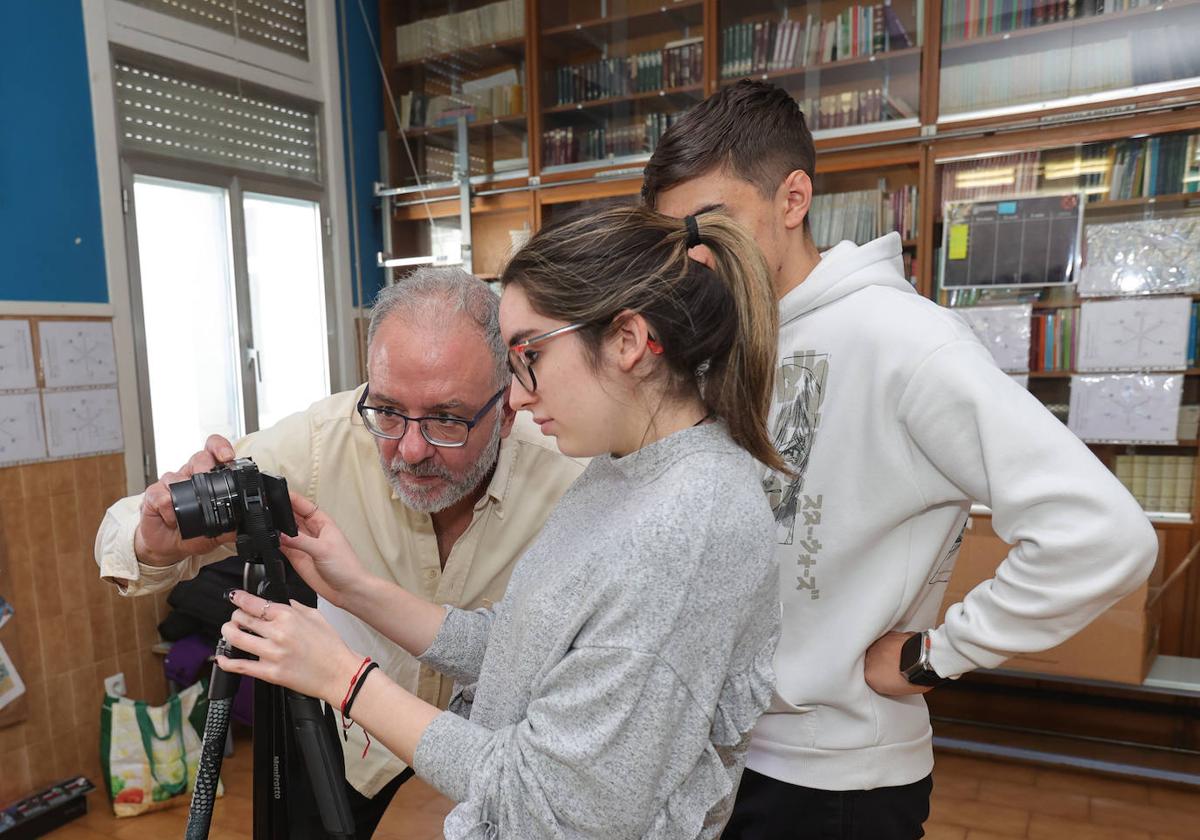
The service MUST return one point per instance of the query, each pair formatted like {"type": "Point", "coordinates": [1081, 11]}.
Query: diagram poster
{"type": "Point", "coordinates": [1004, 330]}
{"type": "Point", "coordinates": [1126, 408]}
{"type": "Point", "coordinates": [77, 353]}
{"type": "Point", "coordinates": [82, 422]}
{"type": "Point", "coordinates": [1135, 334]}
{"type": "Point", "coordinates": [21, 435]}
{"type": "Point", "coordinates": [16, 356]}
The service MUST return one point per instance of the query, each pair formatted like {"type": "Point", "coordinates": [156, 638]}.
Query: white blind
{"type": "Point", "coordinates": [279, 24]}
{"type": "Point", "coordinates": [214, 122]}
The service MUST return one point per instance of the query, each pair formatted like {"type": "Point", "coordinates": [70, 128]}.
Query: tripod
{"type": "Point", "coordinates": [278, 713]}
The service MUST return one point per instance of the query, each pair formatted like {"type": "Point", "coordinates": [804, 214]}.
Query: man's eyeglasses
{"type": "Point", "coordinates": [521, 358]}
{"type": "Point", "coordinates": [447, 432]}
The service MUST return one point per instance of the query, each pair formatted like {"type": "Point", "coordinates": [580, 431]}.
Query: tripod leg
{"type": "Point", "coordinates": [222, 687]}
{"type": "Point", "coordinates": [317, 748]}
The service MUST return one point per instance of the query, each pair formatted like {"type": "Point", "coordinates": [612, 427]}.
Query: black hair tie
{"type": "Point", "coordinates": [693, 230]}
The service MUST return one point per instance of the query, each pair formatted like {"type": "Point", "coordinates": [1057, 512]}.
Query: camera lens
{"type": "Point", "coordinates": [204, 504]}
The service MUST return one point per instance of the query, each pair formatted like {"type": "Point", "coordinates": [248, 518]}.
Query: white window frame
{"type": "Point", "coordinates": [110, 24]}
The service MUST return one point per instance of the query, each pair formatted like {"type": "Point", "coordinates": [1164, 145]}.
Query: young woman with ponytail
{"type": "Point", "coordinates": [615, 686]}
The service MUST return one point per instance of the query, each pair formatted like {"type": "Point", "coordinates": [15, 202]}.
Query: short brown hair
{"type": "Point", "coordinates": [718, 327]}
{"type": "Point", "coordinates": [753, 130]}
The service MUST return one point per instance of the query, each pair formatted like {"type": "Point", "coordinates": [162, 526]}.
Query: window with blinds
{"type": "Point", "coordinates": [278, 24]}
{"type": "Point", "coordinates": [211, 121]}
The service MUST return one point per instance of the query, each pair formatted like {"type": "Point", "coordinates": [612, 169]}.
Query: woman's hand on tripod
{"type": "Point", "coordinates": [296, 647]}
{"type": "Point", "coordinates": [322, 555]}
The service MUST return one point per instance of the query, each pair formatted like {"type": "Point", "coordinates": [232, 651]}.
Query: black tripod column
{"type": "Point", "coordinates": [221, 690]}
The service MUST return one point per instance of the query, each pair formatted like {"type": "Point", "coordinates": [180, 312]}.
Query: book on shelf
{"type": "Point", "coordinates": [854, 107]}
{"type": "Point", "coordinates": [764, 46]}
{"type": "Point", "coordinates": [1054, 340]}
{"type": "Point", "coordinates": [1154, 166]}
{"type": "Point", "coordinates": [677, 64]}
{"type": "Point", "coordinates": [501, 99]}
{"type": "Point", "coordinates": [1160, 483]}
{"type": "Point", "coordinates": [613, 139]}
{"type": "Point", "coordinates": [476, 27]}
{"type": "Point", "coordinates": [863, 215]}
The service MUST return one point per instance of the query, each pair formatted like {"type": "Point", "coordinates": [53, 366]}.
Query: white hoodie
{"type": "Point", "coordinates": [897, 419]}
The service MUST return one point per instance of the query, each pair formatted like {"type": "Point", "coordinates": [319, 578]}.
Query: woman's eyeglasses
{"type": "Point", "coordinates": [521, 356]}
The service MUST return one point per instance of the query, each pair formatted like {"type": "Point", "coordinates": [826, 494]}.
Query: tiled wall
{"type": "Point", "coordinates": [74, 629]}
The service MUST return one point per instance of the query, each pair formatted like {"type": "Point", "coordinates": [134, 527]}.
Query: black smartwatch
{"type": "Point", "coordinates": [914, 661]}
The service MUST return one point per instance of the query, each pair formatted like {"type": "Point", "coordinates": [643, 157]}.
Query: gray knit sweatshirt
{"type": "Point", "coordinates": [617, 682]}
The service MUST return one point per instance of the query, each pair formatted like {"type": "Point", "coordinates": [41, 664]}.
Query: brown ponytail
{"type": "Point", "coordinates": [718, 327]}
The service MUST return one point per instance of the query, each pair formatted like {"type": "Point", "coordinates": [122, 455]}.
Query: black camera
{"type": "Point", "coordinates": [232, 497]}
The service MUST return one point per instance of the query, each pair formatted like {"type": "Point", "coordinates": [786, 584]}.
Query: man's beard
{"type": "Point", "coordinates": [453, 491]}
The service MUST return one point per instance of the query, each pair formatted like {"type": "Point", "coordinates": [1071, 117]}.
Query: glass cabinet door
{"type": "Point", "coordinates": [851, 66]}
{"type": "Point", "coordinates": [458, 62]}
{"type": "Point", "coordinates": [615, 75]}
{"type": "Point", "coordinates": [1003, 57]}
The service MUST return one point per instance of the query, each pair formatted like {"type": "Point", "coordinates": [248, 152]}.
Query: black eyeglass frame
{"type": "Point", "coordinates": [363, 408]}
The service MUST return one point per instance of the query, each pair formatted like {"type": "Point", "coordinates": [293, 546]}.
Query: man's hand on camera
{"type": "Point", "coordinates": [156, 541]}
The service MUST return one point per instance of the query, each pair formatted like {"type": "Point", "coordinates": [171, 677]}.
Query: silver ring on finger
{"type": "Point", "coordinates": [262, 616]}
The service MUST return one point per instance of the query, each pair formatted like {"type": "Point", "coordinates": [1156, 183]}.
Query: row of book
{"type": "Point", "coordinates": [855, 107]}
{"type": "Point", "coordinates": [677, 64]}
{"type": "Point", "coordinates": [863, 215]}
{"type": "Point", "coordinates": [1154, 166]}
{"type": "Point", "coordinates": [1160, 483]}
{"type": "Point", "coordinates": [1037, 77]}
{"type": "Point", "coordinates": [765, 45]}
{"type": "Point", "coordinates": [1053, 340]}
{"type": "Point", "coordinates": [461, 30]}
{"type": "Point", "coordinates": [969, 19]}
{"type": "Point", "coordinates": [576, 145]}
{"type": "Point", "coordinates": [418, 110]}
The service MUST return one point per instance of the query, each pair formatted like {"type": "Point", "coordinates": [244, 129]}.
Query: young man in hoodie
{"type": "Point", "coordinates": [895, 419]}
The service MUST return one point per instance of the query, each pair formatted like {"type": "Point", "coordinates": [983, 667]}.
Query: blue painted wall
{"type": "Point", "coordinates": [50, 233]}
{"type": "Point", "coordinates": [50, 228]}
{"type": "Point", "coordinates": [362, 112]}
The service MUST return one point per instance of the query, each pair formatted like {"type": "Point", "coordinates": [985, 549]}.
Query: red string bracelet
{"type": "Point", "coordinates": [348, 700]}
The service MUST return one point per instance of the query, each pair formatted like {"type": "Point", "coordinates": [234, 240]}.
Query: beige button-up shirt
{"type": "Point", "coordinates": [327, 455]}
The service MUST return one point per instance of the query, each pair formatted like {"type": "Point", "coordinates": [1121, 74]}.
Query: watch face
{"type": "Point", "coordinates": [910, 654]}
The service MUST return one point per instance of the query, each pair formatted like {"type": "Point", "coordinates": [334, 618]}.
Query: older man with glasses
{"type": "Point", "coordinates": [424, 467]}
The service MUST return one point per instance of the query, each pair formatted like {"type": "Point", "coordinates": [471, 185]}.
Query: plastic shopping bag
{"type": "Point", "coordinates": [150, 754]}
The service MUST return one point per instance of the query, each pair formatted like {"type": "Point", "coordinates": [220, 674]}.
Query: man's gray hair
{"type": "Point", "coordinates": [433, 295]}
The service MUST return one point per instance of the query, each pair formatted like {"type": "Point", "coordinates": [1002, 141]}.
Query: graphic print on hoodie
{"type": "Point", "coordinates": [800, 385]}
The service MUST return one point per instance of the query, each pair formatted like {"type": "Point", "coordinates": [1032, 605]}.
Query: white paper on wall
{"type": "Point", "coordinates": [77, 353]}
{"type": "Point", "coordinates": [1004, 330]}
{"type": "Point", "coordinates": [16, 356]}
{"type": "Point", "coordinates": [21, 433]}
{"type": "Point", "coordinates": [1135, 334]}
{"type": "Point", "coordinates": [1126, 408]}
{"type": "Point", "coordinates": [83, 422]}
